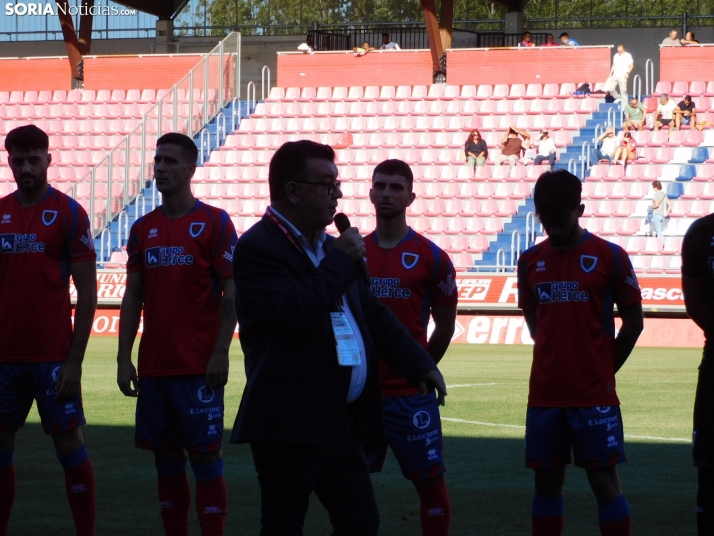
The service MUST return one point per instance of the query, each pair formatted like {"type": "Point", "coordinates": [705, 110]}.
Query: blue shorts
{"type": "Point", "coordinates": [179, 411]}
{"type": "Point", "coordinates": [593, 435]}
{"type": "Point", "coordinates": [686, 120]}
{"type": "Point", "coordinates": [412, 428]}
{"type": "Point", "coordinates": [21, 383]}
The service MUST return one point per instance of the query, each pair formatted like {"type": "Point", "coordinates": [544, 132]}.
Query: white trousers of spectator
{"type": "Point", "coordinates": [512, 159]}
{"type": "Point", "coordinates": [617, 86]}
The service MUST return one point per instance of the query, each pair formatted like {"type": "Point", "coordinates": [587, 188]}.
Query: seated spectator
{"type": "Point", "coordinates": [363, 49]}
{"type": "Point", "coordinates": [529, 153]}
{"type": "Point", "coordinates": [626, 151]}
{"type": "Point", "coordinates": [388, 44]}
{"type": "Point", "coordinates": [605, 147]}
{"type": "Point", "coordinates": [634, 115]}
{"type": "Point", "coordinates": [672, 40]}
{"type": "Point", "coordinates": [308, 47]}
{"type": "Point", "coordinates": [565, 39]}
{"type": "Point", "coordinates": [512, 145]}
{"type": "Point", "coordinates": [526, 41]}
{"type": "Point", "coordinates": [661, 207]}
{"type": "Point", "coordinates": [549, 41]}
{"type": "Point", "coordinates": [546, 149]}
{"type": "Point", "coordinates": [685, 113]}
{"type": "Point", "coordinates": [689, 40]}
{"type": "Point", "coordinates": [665, 112]}
{"type": "Point", "coordinates": [476, 149]}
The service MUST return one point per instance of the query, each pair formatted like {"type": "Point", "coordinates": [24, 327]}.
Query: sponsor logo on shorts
{"type": "Point", "coordinates": [432, 454]}
{"type": "Point", "coordinates": [205, 395]}
{"type": "Point", "coordinates": [611, 441]}
{"type": "Point", "coordinates": [610, 422]}
{"type": "Point", "coordinates": [428, 437]}
{"type": "Point", "coordinates": [210, 413]}
{"type": "Point", "coordinates": [602, 410]}
{"type": "Point", "coordinates": [421, 419]}
{"type": "Point", "coordinates": [53, 376]}
{"type": "Point", "coordinates": [69, 409]}
{"type": "Point", "coordinates": [212, 430]}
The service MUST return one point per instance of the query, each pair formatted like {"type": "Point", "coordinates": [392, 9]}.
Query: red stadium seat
{"type": "Point", "coordinates": [679, 89]}
{"type": "Point", "coordinates": [662, 87]}
{"type": "Point", "coordinates": [697, 88]}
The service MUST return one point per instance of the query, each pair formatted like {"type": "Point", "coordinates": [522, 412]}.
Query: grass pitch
{"type": "Point", "coordinates": [483, 428]}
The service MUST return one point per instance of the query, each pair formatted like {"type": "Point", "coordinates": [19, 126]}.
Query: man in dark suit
{"type": "Point", "coordinates": [309, 327]}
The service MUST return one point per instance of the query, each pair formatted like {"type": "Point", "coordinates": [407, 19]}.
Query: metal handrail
{"type": "Point", "coordinates": [119, 227]}
{"type": "Point", "coordinates": [262, 81]}
{"type": "Point", "coordinates": [584, 159]}
{"type": "Point", "coordinates": [500, 260]}
{"type": "Point", "coordinates": [139, 198]}
{"type": "Point", "coordinates": [248, 87]}
{"type": "Point", "coordinates": [637, 83]}
{"type": "Point", "coordinates": [515, 246]}
{"type": "Point", "coordinates": [101, 243]}
{"type": "Point", "coordinates": [599, 128]}
{"type": "Point", "coordinates": [649, 78]}
{"type": "Point", "coordinates": [574, 166]}
{"type": "Point", "coordinates": [530, 229]}
{"type": "Point", "coordinates": [204, 142]}
{"type": "Point", "coordinates": [221, 131]}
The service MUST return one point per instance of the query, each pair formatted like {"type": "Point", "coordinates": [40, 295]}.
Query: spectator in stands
{"type": "Point", "coordinates": [622, 65]}
{"type": "Point", "coordinates": [526, 41]}
{"type": "Point", "coordinates": [672, 40]}
{"type": "Point", "coordinates": [685, 113]}
{"type": "Point", "coordinates": [388, 44]}
{"type": "Point", "coordinates": [549, 41]}
{"type": "Point", "coordinates": [606, 146]}
{"type": "Point", "coordinates": [546, 149]}
{"type": "Point", "coordinates": [626, 151]}
{"type": "Point", "coordinates": [689, 40]}
{"type": "Point", "coordinates": [665, 112]}
{"type": "Point", "coordinates": [512, 145]}
{"type": "Point", "coordinates": [635, 113]}
{"type": "Point", "coordinates": [308, 47]}
{"type": "Point", "coordinates": [565, 39]}
{"type": "Point", "coordinates": [476, 149]}
{"type": "Point", "coordinates": [529, 153]}
{"type": "Point", "coordinates": [661, 206]}
{"type": "Point", "coordinates": [363, 49]}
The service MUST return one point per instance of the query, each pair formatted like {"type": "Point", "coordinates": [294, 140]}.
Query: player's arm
{"type": "Point", "coordinates": [632, 326]}
{"type": "Point", "coordinates": [697, 304]}
{"type": "Point", "coordinates": [444, 325]}
{"type": "Point", "coordinates": [84, 275]}
{"type": "Point", "coordinates": [531, 316]}
{"type": "Point", "coordinates": [217, 368]}
{"type": "Point", "coordinates": [129, 319]}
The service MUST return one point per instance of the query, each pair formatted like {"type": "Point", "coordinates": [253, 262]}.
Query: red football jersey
{"type": "Point", "coordinates": [182, 261]}
{"type": "Point", "coordinates": [409, 279]}
{"type": "Point", "coordinates": [37, 245]}
{"type": "Point", "coordinates": [573, 292]}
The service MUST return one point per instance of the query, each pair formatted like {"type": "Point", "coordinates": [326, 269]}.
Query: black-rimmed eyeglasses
{"type": "Point", "coordinates": [331, 186]}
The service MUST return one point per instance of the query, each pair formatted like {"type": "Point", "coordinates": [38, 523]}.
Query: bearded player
{"type": "Point", "coordinates": [567, 286]}
{"type": "Point", "coordinates": [414, 278]}
{"type": "Point", "coordinates": [179, 272]}
{"type": "Point", "coordinates": [44, 239]}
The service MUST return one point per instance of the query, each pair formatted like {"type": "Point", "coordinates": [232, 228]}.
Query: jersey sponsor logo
{"type": "Point", "coordinates": [205, 395]}
{"type": "Point", "coordinates": [49, 217]}
{"type": "Point", "coordinates": [602, 410]}
{"type": "Point", "coordinates": [6, 218]}
{"type": "Point", "coordinates": [559, 292]}
{"type": "Point", "coordinates": [421, 419]}
{"type": "Point", "coordinates": [20, 243]}
{"type": "Point", "coordinates": [448, 287]}
{"type": "Point", "coordinates": [588, 263]}
{"type": "Point", "coordinates": [167, 256]}
{"type": "Point", "coordinates": [153, 233]}
{"type": "Point", "coordinates": [388, 287]}
{"type": "Point", "coordinates": [409, 260]}
{"type": "Point", "coordinates": [196, 228]}
{"type": "Point", "coordinates": [540, 266]}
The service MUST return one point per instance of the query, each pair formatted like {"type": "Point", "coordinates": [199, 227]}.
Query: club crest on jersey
{"type": "Point", "coordinates": [409, 260]}
{"type": "Point", "coordinates": [49, 217]}
{"type": "Point", "coordinates": [588, 263]}
{"type": "Point", "coordinates": [196, 228]}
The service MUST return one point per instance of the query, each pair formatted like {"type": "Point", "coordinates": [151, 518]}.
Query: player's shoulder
{"type": "Point", "coordinates": [424, 243]}
{"type": "Point", "coordinates": [536, 251]}
{"type": "Point", "coordinates": [597, 246]}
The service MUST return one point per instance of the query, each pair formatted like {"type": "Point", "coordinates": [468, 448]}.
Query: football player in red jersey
{"type": "Point", "coordinates": [567, 286]}
{"type": "Point", "coordinates": [44, 239]}
{"type": "Point", "coordinates": [414, 278]}
{"type": "Point", "coordinates": [180, 272]}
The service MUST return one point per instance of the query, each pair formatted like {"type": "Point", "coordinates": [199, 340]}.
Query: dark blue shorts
{"type": "Point", "coordinates": [179, 411]}
{"type": "Point", "coordinates": [412, 428]}
{"type": "Point", "coordinates": [21, 383]}
{"type": "Point", "coordinates": [593, 435]}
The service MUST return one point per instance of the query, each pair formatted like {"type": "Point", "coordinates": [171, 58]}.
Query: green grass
{"type": "Point", "coordinates": [489, 485]}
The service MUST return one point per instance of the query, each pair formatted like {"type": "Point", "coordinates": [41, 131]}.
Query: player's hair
{"type": "Point", "coordinates": [186, 144]}
{"type": "Point", "coordinates": [289, 163]}
{"type": "Point", "coordinates": [556, 193]}
{"type": "Point", "coordinates": [26, 138]}
{"type": "Point", "coordinates": [395, 167]}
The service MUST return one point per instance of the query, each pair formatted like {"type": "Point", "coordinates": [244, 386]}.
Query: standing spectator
{"type": "Point", "coordinates": [635, 113]}
{"type": "Point", "coordinates": [565, 39]}
{"type": "Point", "coordinates": [665, 112]}
{"type": "Point", "coordinates": [546, 149]}
{"type": "Point", "coordinates": [689, 39]}
{"type": "Point", "coordinates": [388, 44]}
{"type": "Point", "coordinates": [622, 65]}
{"type": "Point", "coordinates": [606, 146]}
{"type": "Point", "coordinates": [308, 47]}
{"type": "Point", "coordinates": [661, 207]}
{"type": "Point", "coordinates": [626, 151]}
{"type": "Point", "coordinates": [476, 149]}
{"type": "Point", "coordinates": [512, 145]}
{"type": "Point", "coordinates": [685, 113]}
{"type": "Point", "coordinates": [526, 40]}
{"type": "Point", "coordinates": [549, 41]}
{"type": "Point", "coordinates": [672, 40]}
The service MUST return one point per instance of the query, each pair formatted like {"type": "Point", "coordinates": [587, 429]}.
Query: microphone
{"type": "Point", "coordinates": [342, 222]}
